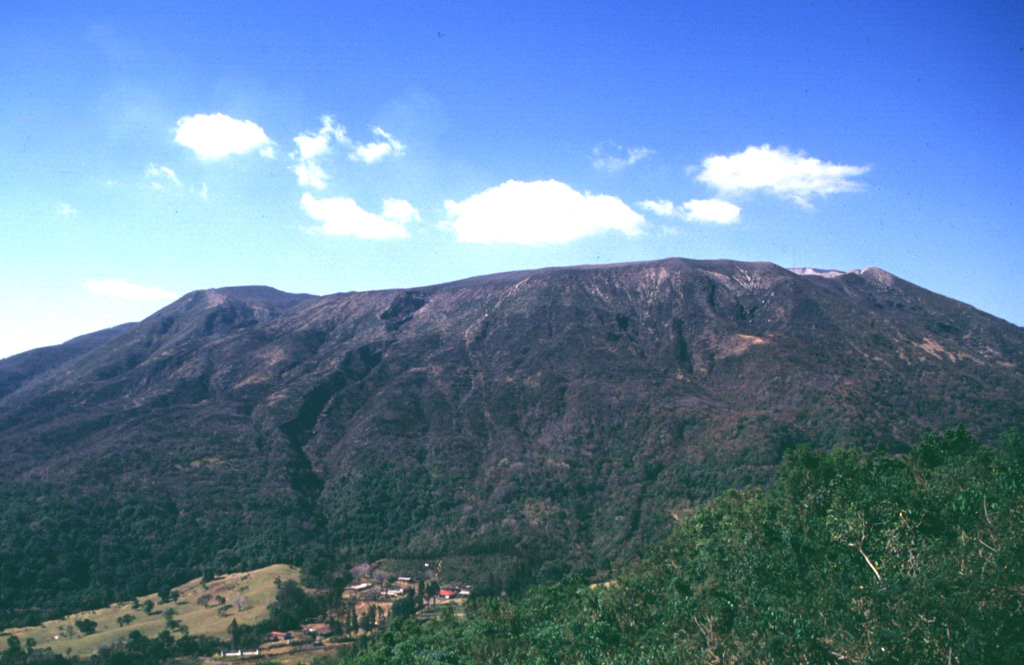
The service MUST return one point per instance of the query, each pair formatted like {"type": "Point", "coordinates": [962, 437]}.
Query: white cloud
{"type": "Point", "coordinates": [711, 210]}
{"type": "Point", "coordinates": [696, 210]}
{"type": "Point", "coordinates": [311, 148]}
{"type": "Point", "coordinates": [310, 174]}
{"type": "Point", "coordinates": [374, 152]}
{"type": "Point", "coordinates": [117, 288]}
{"type": "Point", "coordinates": [399, 210]}
{"type": "Point", "coordinates": [530, 213]}
{"type": "Point", "coordinates": [342, 216]}
{"type": "Point", "coordinates": [788, 175]}
{"type": "Point", "coordinates": [612, 157]}
{"type": "Point", "coordinates": [159, 174]}
{"type": "Point", "coordinates": [662, 208]}
{"type": "Point", "coordinates": [217, 135]}
{"type": "Point", "coordinates": [66, 210]}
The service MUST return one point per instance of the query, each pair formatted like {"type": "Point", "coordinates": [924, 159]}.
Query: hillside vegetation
{"type": "Point", "coordinates": [846, 558]}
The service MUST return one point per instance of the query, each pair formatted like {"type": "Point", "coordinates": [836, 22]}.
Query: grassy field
{"type": "Point", "coordinates": [246, 597]}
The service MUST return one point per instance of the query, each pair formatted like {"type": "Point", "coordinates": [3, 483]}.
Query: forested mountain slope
{"type": "Point", "coordinates": [550, 420]}
{"type": "Point", "coordinates": [847, 558]}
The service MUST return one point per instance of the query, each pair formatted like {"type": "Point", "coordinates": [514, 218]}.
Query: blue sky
{"type": "Point", "coordinates": [147, 150]}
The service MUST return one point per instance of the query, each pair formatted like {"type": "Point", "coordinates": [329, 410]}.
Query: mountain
{"type": "Point", "coordinates": [527, 423]}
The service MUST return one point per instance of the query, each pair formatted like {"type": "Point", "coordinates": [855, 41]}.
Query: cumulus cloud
{"type": "Point", "coordinates": [531, 213]}
{"type": "Point", "coordinates": [400, 210]}
{"type": "Point", "coordinates": [216, 135]}
{"type": "Point", "coordinates": [612, 157]}
{"type": "Point", "coordinates": [791, 176]}
{"type": "Point", "coordinates": [158, 175]}
{"type": "Point", "coordinates": [711, 210]}
{"type": "Point", "coordinates": [342, 216]}
{"type": "Point", "coordinates": [696, 210]}
{"type": "Point", "coordinates": [117, 288]}
{"type": "Point", "coordinates": [66, 210]}
{"type": "Point", "coordinates": [374, 152]}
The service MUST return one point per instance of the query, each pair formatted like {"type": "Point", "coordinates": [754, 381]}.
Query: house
{"type": "Point", "coordinates": [358, 587]}
{"type": "Point", "coordinates": [318, 629]}
{"type": "Point", "coordinates": [394, 593]}
{"type": "Point", "coordinates": [447, 593]}
{"type": "Point", "coordinates": [280, 636]}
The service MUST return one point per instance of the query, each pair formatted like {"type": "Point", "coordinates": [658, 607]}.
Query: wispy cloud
{"type": "Point", "coordinates": [696, 210]}
{"type": "Point", "coordinates": [117, 288]}
{"type": "Point", "coordinates": [162, 177]}
{"type": "Point", "coordinates": [789, 175]}
{"type": "Point", "coordinates": [340, 216]}
{"type": "Point", "coordinates": [369, 153]}
{"type": "Point", "coordinates": [158, 175]}
{"type": "Point", "coordinates": [612, 157]}
{"type": "Point", "coordinates": [216, 136]}
{"type": "Point", "coordinates": [312, 147]}
{"type": "Point", "coordinates": [66, 210]}
{"type": "Point", "coordinates": [531, 213]}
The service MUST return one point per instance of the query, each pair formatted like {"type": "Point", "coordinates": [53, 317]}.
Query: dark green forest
{"type": "Point", "coordinates": [65, 548]}
{"type": "Point", "coordinates": [848, 557]}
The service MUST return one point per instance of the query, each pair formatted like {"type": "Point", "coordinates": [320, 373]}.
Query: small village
{"type": "Point", "coordinates": [369, 603]}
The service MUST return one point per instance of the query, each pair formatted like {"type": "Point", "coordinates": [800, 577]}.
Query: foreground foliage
{"type": "Point", "coordinates": [848, 557]}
